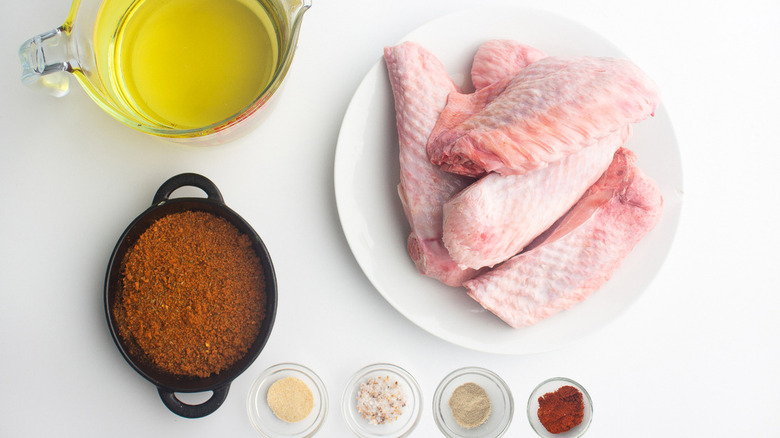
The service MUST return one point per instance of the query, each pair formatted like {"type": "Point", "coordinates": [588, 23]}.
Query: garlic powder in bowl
{"type": "Point", "coordinates": [287, 400]}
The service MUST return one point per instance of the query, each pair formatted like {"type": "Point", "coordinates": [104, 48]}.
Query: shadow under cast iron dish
{"type": "Point", "coordinates": [162, 291]}
{"type": "Point", "coordinates": [197, 71]}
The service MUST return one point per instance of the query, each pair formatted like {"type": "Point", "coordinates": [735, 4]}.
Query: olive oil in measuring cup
{"type": "Point", "coordinates": [186, 63]}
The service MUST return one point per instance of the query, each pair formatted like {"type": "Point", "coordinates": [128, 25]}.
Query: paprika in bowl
{"type": "Point", "coordinates": [190, 295]}
{"type": "Point", "coordinates": [560, 408]}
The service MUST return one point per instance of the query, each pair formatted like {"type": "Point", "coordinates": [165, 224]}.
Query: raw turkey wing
{"type": "Point", "coordinates": [552, 108]}
{"type": "Point", "coordinates": [496, 217]}
{"type": "Point", "coordinates": [495, 64]}
{"type": "Point", "coordinates": [579, 254]}
{"type": "Point", "coordinates": [420, 87]}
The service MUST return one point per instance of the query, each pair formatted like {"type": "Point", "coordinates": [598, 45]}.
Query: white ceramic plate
{"type": "Point", "coordinates": [367, 172]}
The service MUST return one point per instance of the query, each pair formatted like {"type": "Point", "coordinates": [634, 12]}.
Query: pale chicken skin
{"type": "Point", "coordinates": [496, 217]}
{"type": "Point", "coordinates": [579, 254]}
{"type": "Point", "coordinates": [500, 59]}
{"type": "Point", "coordinates": [552, 108]}
{"type": "Point", "coordinates": [420, 87]}
{"type": "Point", "coordinates": [492, 181]}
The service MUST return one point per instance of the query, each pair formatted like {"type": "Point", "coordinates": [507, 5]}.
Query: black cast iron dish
{"type": "Point", "coordinates": [168, 384]}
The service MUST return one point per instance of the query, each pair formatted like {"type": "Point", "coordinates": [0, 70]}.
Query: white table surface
{"type": "Point", "coordinates": [696, 355]}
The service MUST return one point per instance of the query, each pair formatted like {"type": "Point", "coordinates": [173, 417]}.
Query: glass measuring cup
{"type": "Point", "coordinates": [165, 67]}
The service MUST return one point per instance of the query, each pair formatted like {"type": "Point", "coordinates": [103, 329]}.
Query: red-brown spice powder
{"type": "Point", "coordinates": [192, 295]}
{"type": "Point", "coordinates": [561, 410]}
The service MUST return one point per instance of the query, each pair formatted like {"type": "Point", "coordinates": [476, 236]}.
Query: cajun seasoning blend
{"type": "Point", "coordinates": [561, 410]}
{"type": "Point", "coordinates": [192, 294]}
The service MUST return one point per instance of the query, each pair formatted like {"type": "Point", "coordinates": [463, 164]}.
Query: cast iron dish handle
{"type": "Point", "coordinates": [187, 179]}
{"type": "Point", "coordinates": [194, 411]}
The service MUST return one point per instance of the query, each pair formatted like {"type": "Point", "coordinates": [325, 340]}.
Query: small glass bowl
{"type": "Point", "coordinates": [263, 418]}
{"type": "Point", "coordinates": [399, 428]}
{"type": "Point", "coordinates": [552, 385]}
{"type": "Point", "coordinates": [501, 404]}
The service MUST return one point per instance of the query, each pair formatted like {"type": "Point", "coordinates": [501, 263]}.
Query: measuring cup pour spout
{"type": "Point", "coordinates": [299, 6]}
{"type": "Point", "coordinates": [46, 61]}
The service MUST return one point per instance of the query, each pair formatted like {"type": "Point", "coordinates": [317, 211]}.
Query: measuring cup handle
{"type": "Point", "coordinates": [194, 411]}
{"type": "Point", "coordinates": [46, 61]}
{"type": "Point", "coordinates": [187, 179]}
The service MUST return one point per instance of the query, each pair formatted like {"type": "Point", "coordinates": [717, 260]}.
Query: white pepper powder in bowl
{"type": "Point", "coordinates": [470, 405]}
{"type": "Point", "coordinates": [473, 402]}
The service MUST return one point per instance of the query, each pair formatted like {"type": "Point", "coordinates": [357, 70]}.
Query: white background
{"type": "Point", "coordinates": [696, 355]}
